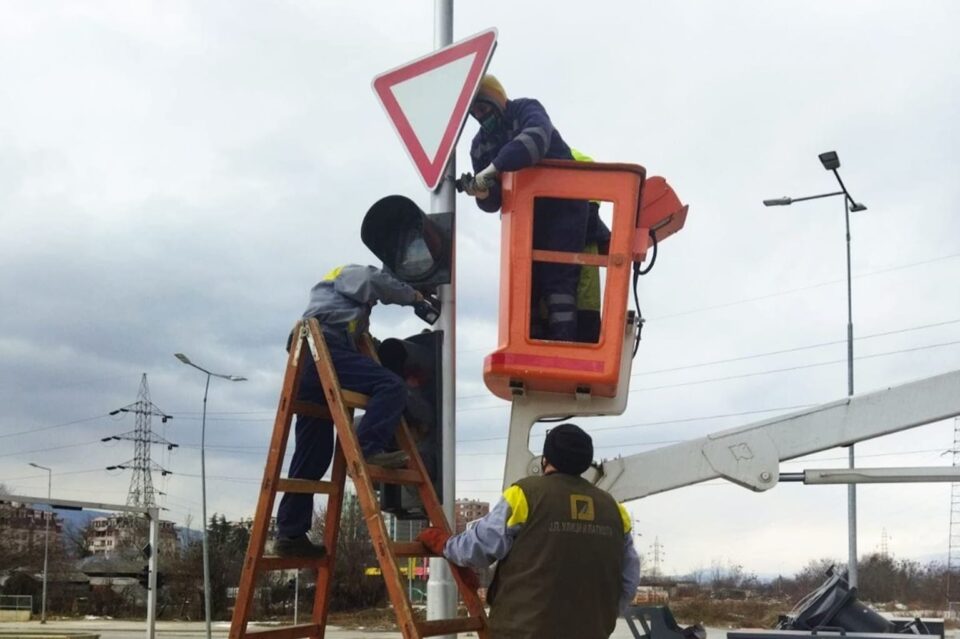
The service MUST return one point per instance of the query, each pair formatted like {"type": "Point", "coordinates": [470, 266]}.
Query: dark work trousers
{"type": "Point", "coordinates": [558, 225]}
{"type": "Point", "coordinates": [314, 436]}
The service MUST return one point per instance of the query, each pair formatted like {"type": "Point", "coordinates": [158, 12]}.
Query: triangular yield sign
{"type": "Point", "coordinates": [427, 100]}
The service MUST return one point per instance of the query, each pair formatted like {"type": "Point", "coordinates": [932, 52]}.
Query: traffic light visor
{"type": "Point", "coordinates": [408, 243]}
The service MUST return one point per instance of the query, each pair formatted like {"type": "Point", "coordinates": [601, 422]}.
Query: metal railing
{"type": "Point", "coordinates": [16, 602]}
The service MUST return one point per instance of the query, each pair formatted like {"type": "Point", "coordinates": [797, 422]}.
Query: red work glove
{"type": "Point", "coordinates": [434, 539]}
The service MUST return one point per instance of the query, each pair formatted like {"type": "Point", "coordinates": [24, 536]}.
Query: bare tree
{"type": "Point", "coordinates": [353, 587]}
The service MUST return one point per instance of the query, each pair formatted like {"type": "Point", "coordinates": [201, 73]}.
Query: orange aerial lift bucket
{"type": "Point", "coordinates": [641, 207]}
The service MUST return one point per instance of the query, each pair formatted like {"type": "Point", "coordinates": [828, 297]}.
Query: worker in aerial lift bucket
{"type": "Point", "coordinates": [567, 566]}
{"type": "Point", "coordinates": [342, 302]}
{"type": "Point", "coordinates": [515, 134]}
{"type": "Point", "coordinates": [596, 242]}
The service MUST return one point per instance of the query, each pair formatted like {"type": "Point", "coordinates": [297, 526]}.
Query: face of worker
{"type": "Point", "coordinates": [487, 115]}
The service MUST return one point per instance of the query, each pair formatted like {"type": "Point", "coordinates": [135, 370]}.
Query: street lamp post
{"type": "Point", "coordinates": [203, 479]}
{"type": "Point", "coordinates": [46, 544]}
{"type": "Point", "coordinates": [831, 162]}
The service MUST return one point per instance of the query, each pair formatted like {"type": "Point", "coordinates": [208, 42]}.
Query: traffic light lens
{"type": "Point", "coordinates": [414, 259]}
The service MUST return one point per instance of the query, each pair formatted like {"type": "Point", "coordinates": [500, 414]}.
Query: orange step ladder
{"type": "Point", "coordinates": [348, 459]}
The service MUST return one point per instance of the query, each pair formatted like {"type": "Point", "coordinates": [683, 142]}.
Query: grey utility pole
{"type": "Point", "coordinates": [441, 590]}
{"type": "Point", "coordinates": [831, 162]}
{"type": "Point", "coordinates": [203, 482]}
{"type": "Point", "coordinates": [46, 544]}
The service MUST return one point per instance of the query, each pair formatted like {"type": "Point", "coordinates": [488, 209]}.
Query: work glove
{"type": "Point", "coordinates": [466, 184]}
{"type": "Point", "coordinates": [474, 191]}
{"type": "Point", "coordinates": [434, 539]}
{"type": "Point", "coordinates": [486, 178]}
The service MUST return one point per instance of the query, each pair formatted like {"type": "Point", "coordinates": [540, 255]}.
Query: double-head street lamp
{"type": "Point", "coordinates": [203, 479]}
{"type": "Point", "coordinates": [831, 163]}
{"type": "Point", "coordinates": [46, 544]}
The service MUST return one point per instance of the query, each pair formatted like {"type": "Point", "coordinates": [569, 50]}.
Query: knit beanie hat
{"type": "Point", "coordinates": [569, 449]}
{"type": "Point", "coordinates": [492, 91]}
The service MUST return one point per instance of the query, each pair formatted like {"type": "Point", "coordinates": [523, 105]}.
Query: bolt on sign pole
{"type": "Point", "coordinates": [441, 592]}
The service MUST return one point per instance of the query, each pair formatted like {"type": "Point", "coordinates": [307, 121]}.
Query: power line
{"type": "Point", "coordinates": [650, 443]}
{"type": "Point", "coordinates": [781, 293]}
{"type": "Point", "coordinates": [260, 449]}
{"type": "Point", "coordinates": [757, 355]}
{"type": "Point", "coordinates": [41, 428]}
{"type": "Point", "coordinates": [666, 421]}
{"type": "Point", "coordinates": [794, 368]}
{"type": "Point", "coordinates": [43, 450]}
{"type": "Point", "coordinates": [794, 349]}
{"type": "Point", "coordinates": [755, 373]}
{"type": "Point", "coordinates": [690, 383]}
{"type": "Point", "coordinates": [803, 288]}
{"type": "Point", "coordinates": [38, 476]}
{"type": "Point", "coordinates": [232, 420]}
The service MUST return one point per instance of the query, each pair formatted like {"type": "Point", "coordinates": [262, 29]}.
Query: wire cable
{"type": "Point", "coordinates": [757, 355]}
{"type": "Point", "coordinates": [795, 368]}
{"type": "Point", "coordinates": [803, 288]}
{"type": "Point", "coordinates": [42, 428]}
{"type": "Point", "coordinates": [637, 272]}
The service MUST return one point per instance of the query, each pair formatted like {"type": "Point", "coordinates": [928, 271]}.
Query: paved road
{"type": "Point", "coordinates": [109, 629]}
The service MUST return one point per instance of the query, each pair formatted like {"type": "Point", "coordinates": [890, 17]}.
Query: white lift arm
{"type": "Point", "coordinates": [750, 455]}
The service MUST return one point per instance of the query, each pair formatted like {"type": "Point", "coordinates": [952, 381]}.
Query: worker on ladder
{"type": "Point", "coordinates": [567, 565]}
{"type": "Point", "coordinates": [341, 302]}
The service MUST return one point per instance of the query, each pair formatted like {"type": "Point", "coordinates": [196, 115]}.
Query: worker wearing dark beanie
{"type": "Point", "coordinates": [566, 565]}
{"type": "Point", "coordinates": [568, 449]}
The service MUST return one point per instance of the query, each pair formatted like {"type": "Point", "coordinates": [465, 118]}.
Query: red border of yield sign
{"type": "Point", "coordinates": [481, 45]}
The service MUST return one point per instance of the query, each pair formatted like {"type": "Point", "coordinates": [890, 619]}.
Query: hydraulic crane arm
{"type": "Point", "coordinates": [750, 455]}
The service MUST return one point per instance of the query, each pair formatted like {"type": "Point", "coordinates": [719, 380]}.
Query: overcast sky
{"type": "Point", "coordinates": [175, 176]}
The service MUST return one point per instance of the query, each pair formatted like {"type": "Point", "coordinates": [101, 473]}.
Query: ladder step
{"type": "Point", "coordinates": [288, 485]}
{"type": "Point", "coordinates": [286, 632]}
{"type": "Point", "coordinates": [311, 409]}
{"type": "Point", "coordinates": [353, 400]}
{"type": "Point", "coordinates": [274, 562]}
{"type": "Point", "coordinates": [391, 476]}
{"type": "Point", "coordinates": [411, 549]}
{"type": "Point", "coordinates": [449, 626]}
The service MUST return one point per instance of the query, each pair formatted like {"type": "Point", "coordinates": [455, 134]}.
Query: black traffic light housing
{"type": "Point", "coordinates": [417, 360]}
{"type": "Point", "coordinates": [143, 577]}
{"type": "Point", "coordinates": [414, 247]}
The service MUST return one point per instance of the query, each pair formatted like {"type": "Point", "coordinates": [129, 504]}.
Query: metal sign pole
{"type": "Point", "coordinates": [153, 514]}
{"type": "Point", "coordinates": [296, 598]}
{"type": "Point", "coordinates": [852, 572]}
{"type": "Point", "coordinates": [441, 593]}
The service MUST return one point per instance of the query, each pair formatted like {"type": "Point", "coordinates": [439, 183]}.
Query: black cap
{"type": "Point", "coordinates": [568, 449]}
